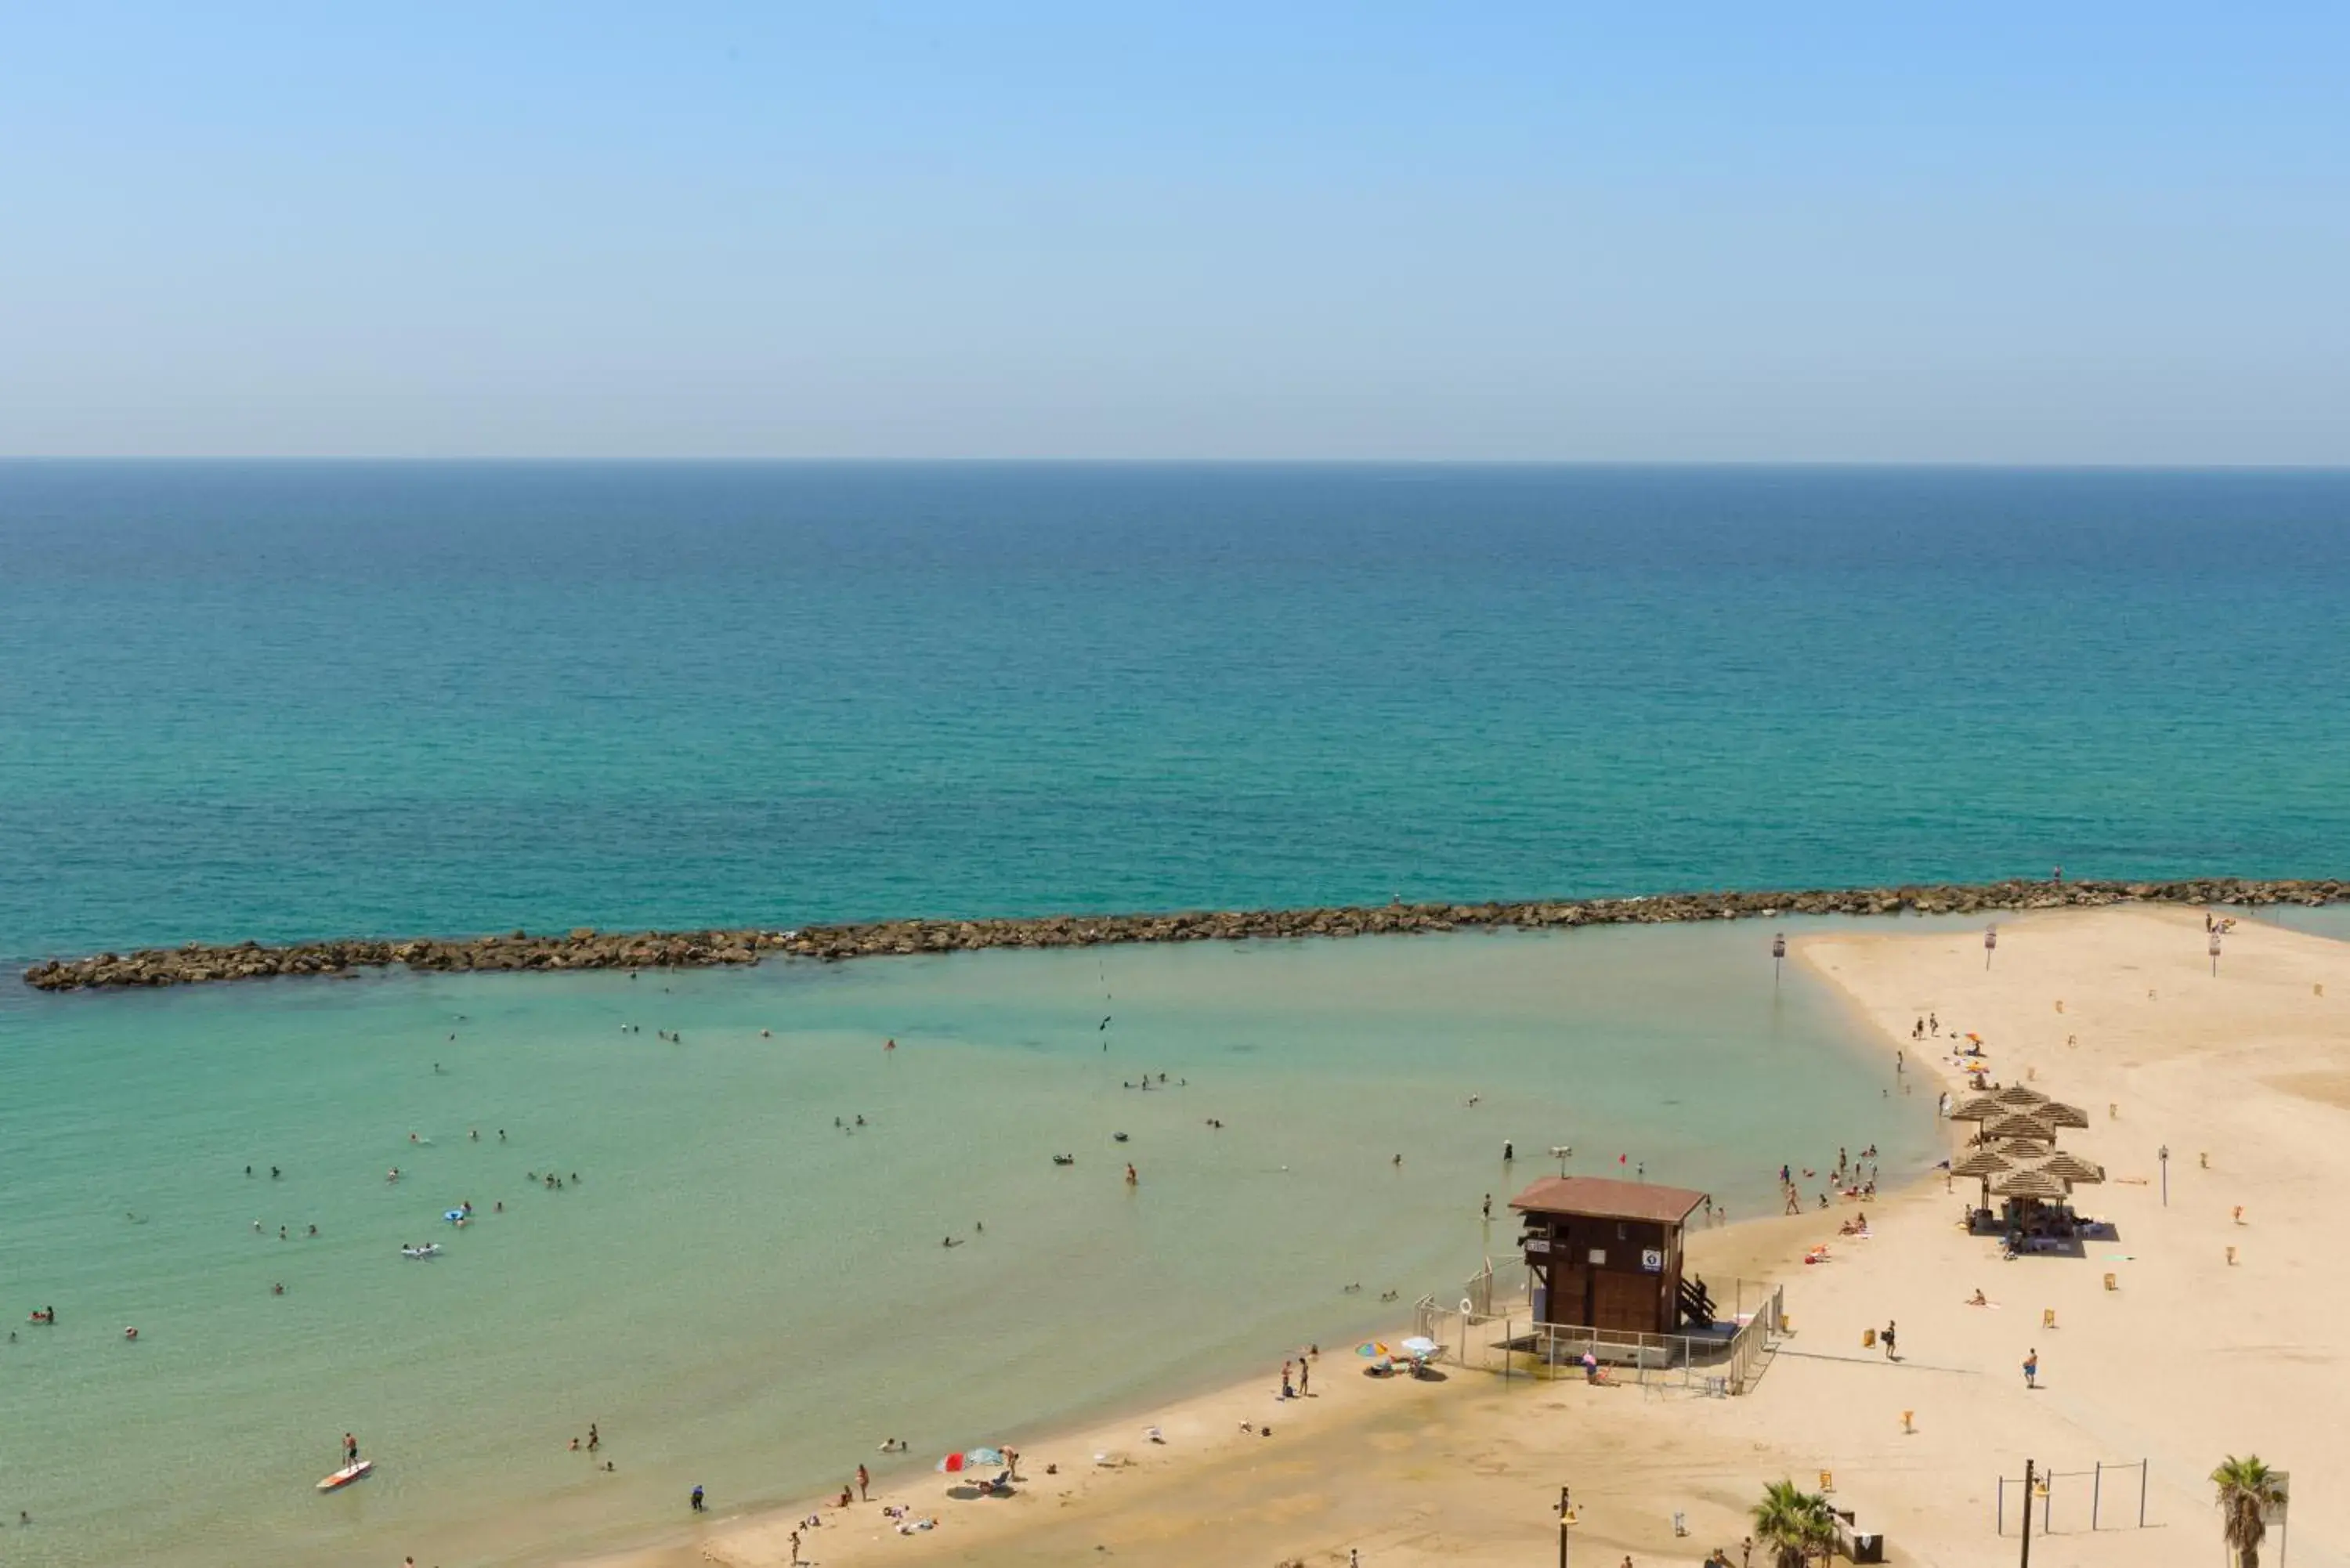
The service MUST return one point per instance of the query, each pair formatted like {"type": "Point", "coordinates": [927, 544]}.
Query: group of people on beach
{"type": "Point", "coordinates": [1853, 1176]}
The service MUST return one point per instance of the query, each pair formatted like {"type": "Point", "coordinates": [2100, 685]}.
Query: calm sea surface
{"type": "Point", "coordinates": [291, 700]}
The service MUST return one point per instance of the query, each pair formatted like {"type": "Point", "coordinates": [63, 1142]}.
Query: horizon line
{"type": "Point", "coordinates": [1008, 460]}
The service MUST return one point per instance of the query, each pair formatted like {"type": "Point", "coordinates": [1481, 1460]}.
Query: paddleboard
{"type": "Point", "coordinates": [347, 1474]}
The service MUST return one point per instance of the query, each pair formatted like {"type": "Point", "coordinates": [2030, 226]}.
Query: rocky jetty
{"type": "Point", "coordinates": [586, 948]}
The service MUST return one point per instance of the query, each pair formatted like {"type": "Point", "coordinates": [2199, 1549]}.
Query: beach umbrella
{"type": "Point", "coordinates": [2015, 1124]}
{"type": "Point", "coordinates": [2022, 1096]}
{"type": "Point", "coordinates": [1984, 1162]}
{"type": "Point", "coordinates": [1372, 1349]}
{"type": "Point", "coordinates": [1419, 1347]}
{"type": "Point", "coordinates": [2068, 1166]}
{"type": "Point", "coordinates": [971, 1460]}
{"type": "Point", "coordinates": [2028, 1183]}
{"type": "Point", "coordinates": [2056, 1112]}
{"type": "Point", "coordinates": [1977, 1108]}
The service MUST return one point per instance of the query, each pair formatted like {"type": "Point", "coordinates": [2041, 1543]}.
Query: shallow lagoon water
{"type": "Point", "coordinates": [740, 1294]}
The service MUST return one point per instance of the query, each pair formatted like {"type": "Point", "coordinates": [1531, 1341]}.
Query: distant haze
{"type": "Point", "coordinates": [2091, 233]}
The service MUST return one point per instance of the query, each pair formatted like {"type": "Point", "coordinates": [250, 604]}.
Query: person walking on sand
{"type": "Point", "coordinates": [2031, 1369]}
{"type": "Point", "coordinates": [1305, 1375]}
{"type": "Point", "coordinates": [863, 1481]}
{"type": "Point", "coordinates": [1888, 1335]}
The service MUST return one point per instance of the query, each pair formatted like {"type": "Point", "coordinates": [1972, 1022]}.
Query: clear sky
{"type": "Point", "coordinates": [2074, 232]}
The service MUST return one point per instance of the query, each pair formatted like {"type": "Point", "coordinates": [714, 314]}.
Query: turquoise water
{"type": "Point", "coordinates": [291, 700]}
{"type": "Point", "coordinates": [276, 700]}
{"type": "Point", "coordinates": [742, 1295]}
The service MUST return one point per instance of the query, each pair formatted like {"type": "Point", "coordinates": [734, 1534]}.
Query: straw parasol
{"type": "Point", "coordinates": [2015, 1124]}
{"type": "Point", "coordinates": [1984, 1162]}
{"type": "Point", "coordinates": [2056, 1113]}
{"type": "Point", "coordinates": [1977, 1108]}
{"type": "Point", "coordinates": [2030, 1182]}
{"type": "Point", "coordinates": [2070, 1167]}
{"type": "Point", "coordinates": [2021, 1096]}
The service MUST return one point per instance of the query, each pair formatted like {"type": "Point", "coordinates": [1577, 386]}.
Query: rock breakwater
{"type": "Point", "coordinates": [198, 963]}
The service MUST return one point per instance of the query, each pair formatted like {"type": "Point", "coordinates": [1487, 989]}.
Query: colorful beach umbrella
{"type": "Point", "coordinates": [1372, 1348]}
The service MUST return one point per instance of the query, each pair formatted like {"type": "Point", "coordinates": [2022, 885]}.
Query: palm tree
{"type": "Point", "coordinates": [1793, 1525]}
{"type": "Point", "coordinates": [2248, 1491]}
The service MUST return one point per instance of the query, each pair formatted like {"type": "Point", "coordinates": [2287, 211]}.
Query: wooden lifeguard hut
{"type": "Point", "coordinates": [1607, 1254]}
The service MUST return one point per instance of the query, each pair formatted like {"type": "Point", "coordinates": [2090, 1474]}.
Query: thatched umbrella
{"type": "Point", "coordinates": [2020, 1096]}
{"type": "Point", "coordinates": [2030, 1182]}
{"type": "Point", "coordinates": [2021, 1150]}
{"type": "Point", "coordinates": [2015, 1124]}
{"type": "Point", "coordinates": [2069, 1168]}
{"type": "Point", "coordinates": [1977, 1108]}
{"type": "Point", "coordinates": [2056, 1113]}
{"type": "Point", "coordinates": [1985, 1163]}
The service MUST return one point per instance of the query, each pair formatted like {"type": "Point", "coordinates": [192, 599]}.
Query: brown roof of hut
{"type": "Point", "coordinates": [1606, 1199]}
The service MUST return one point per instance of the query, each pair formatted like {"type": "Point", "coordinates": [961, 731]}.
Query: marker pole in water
{"type": "Point", "coordinates": [1778, 956]}
{"type": "Point", "coordinates": [1991, 940]}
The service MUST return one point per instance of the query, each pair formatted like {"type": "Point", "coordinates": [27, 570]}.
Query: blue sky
{"type": "Point", "coordinates": [2092, 233]}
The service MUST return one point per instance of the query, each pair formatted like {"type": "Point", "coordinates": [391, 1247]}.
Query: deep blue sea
{"type": "Point", "coordinates": [277, 699]}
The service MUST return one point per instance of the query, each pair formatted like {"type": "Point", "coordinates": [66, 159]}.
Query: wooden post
{"type": "Point", "coordinates": [2027, 1514]}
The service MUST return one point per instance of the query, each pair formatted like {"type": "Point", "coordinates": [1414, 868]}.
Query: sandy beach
{"type": "Point", "coordinates": [2189, 1357]}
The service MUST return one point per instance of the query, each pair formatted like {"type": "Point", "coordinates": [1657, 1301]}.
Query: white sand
{"type": "Point", "coordinates": [2189, 1359]}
